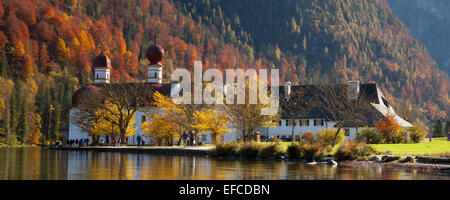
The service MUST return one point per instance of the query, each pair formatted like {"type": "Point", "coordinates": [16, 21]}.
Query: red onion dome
{"type": "Point", "coordinates": [102, 61]}
{"type": "Point", "coordinates": [155, 54]}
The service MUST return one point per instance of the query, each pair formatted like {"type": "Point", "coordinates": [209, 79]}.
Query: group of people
{"type": "Point", "coordinates": [83, 142]}
{"type": "Point", "coordinates": [115, 141]}
{"type": "Point", "coordinates": [187, 139]}
{"type": "Point", "coordinates": [140, 141]}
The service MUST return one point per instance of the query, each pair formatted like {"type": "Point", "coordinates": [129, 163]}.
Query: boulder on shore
{"type": "Point", "coordinates": [332, 162]}
{"type": "Point", "coordinates": [311, 163]}
{"type": "Point", "coordinates": [408, 159]}
{"type": "Point", "coordinates": [375, 159]}
{"type": "Point", "coordinates": [390, 158]}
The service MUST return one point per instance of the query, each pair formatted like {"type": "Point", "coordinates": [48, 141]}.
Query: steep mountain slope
{"type": "Point", "coordinates": [334, 41]}
{"type": "Point", "coordinates": [429, 21]}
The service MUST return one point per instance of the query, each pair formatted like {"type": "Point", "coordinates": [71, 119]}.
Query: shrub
{"type": "Point", "coordinates": [369, 136]}
{"type": "Point", "coordinates": [417, 134]}
{"type": "Point", "coordinates": [293, 151]}
{"type": "Point", "coordinates": [404, 136]}
{"type": "Point", "coordinates": [398, 137]}
{"type": "Point", "coordinates": [270, 150]}
{"type": "Point", "coordinates": [389, 128]}
{"type": "Point", "coordinates": [308, 137]}
{"type": "Point", "coordinates": [313, 151]}
{"type": "Point", "coordinates": [326, 136]}
{"type": "Point", "coordinates": [352, 150]}
{"type": "Point", "coordinates": [249, 150]}
{"type": "Point", "coordinates": [11, 140]}
{"type": "Point", "coordinates": [227, 149]}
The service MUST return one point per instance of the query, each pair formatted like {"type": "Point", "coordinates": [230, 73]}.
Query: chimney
{"type": "Point", "coordinates": [287, 90]}
{"type": "Point", "coordinates": [353, 90]}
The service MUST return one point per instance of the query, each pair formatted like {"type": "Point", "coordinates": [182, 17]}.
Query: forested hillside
{"type": "Point", "coordinates": [315, 41]}
{"type": "Point", "coordinates": [429, 21]}
{"type": "Point", "coordinates": [47, 47]}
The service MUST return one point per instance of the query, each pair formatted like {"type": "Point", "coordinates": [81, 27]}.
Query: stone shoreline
{"type": "Point", "coordinates": [424, 167]}
{"type": "Point", "coordinates": [177, 151]}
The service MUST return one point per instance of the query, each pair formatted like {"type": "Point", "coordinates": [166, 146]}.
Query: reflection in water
{"type": "Point", "coordinates": [37, 163]}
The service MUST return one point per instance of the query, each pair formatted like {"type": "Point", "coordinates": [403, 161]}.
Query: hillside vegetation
{"type": "Point", "coordinates": [317, 41]}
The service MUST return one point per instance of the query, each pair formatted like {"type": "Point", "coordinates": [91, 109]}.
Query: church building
{"type": "Point", "coordinates": [376, 104]}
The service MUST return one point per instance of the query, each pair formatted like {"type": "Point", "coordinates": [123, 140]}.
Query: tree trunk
{"type": "Point", "coordinates": [94, 140]}
{"type": "Point", "coordinates": [336, 135]}
{"type": "Point", "coordinates": [250, 135]}
{"type": "Point", "coordinates": [123, 133]}
{"type": "Point", "coordinates": [191, 138]}
{"type": "Point", "coordinates": [179, 140]}
{"type": "Point", "coordinates": [293, 131]}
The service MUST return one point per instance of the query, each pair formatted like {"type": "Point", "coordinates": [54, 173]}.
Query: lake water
{"type": "Point", "coordinates": [43, 164]}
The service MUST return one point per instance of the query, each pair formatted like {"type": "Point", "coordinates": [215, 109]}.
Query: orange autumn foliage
{"type": "Point", "coordinates": [388, 127]}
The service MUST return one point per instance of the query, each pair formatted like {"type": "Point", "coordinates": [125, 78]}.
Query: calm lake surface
{"type": "Point", "coordinates": [43, 164]}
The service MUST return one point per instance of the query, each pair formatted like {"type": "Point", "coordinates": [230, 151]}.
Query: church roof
{"type": "Point", "coordinates": [141, 88]}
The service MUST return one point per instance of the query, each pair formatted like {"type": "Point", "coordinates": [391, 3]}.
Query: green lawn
{"type": "Point", "coordinates": [437, 147]}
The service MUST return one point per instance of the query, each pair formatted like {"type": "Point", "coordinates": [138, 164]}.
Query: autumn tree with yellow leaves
{"type": "Point", "coordinates": [113, 105]}
{"type": "Point", "coordinates": [183, 115]}
{"type": "Point", "coordinates": [212, 121]}
{"type": "Point", "coordinates": [247, 117]}
{"type": "Point", "coordinates": [104, 125]}
{"type": "Point", "coordinates": [162, 129]}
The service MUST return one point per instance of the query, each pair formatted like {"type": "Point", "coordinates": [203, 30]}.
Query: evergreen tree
{"type": "Point", "coordinates": [22, 125]}
{"type": "Point", "coordinates": [15, 103]}
{"type": "Point", "coordinates": [447, 128]}
{"type": "Point", "coordinates": [6, 120]}
{"type": "Point", "coordinates": [4, 66]}
{"type": "Point", "coordinates": [55, 120]}
{"type": "Point", "coordinates": [41, 63]}
{"type": "Point", "coordinates": [438, 130]}
{"type": "Point", "coordinates": [45, 115]}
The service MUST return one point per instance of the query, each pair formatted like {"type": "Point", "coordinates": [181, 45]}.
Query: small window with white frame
{"type": "Point", "coordinates": [319, 122]}
{"type": "Point", "coordinates": [291, 122]}
{"type": "Point", "coordinates": [305, 122]}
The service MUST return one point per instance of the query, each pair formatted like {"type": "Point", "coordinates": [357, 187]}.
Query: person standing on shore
{"type": "Point", "coordinates": [139, 138]}
{"type": "Point", "coordinates": [184, 138]}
